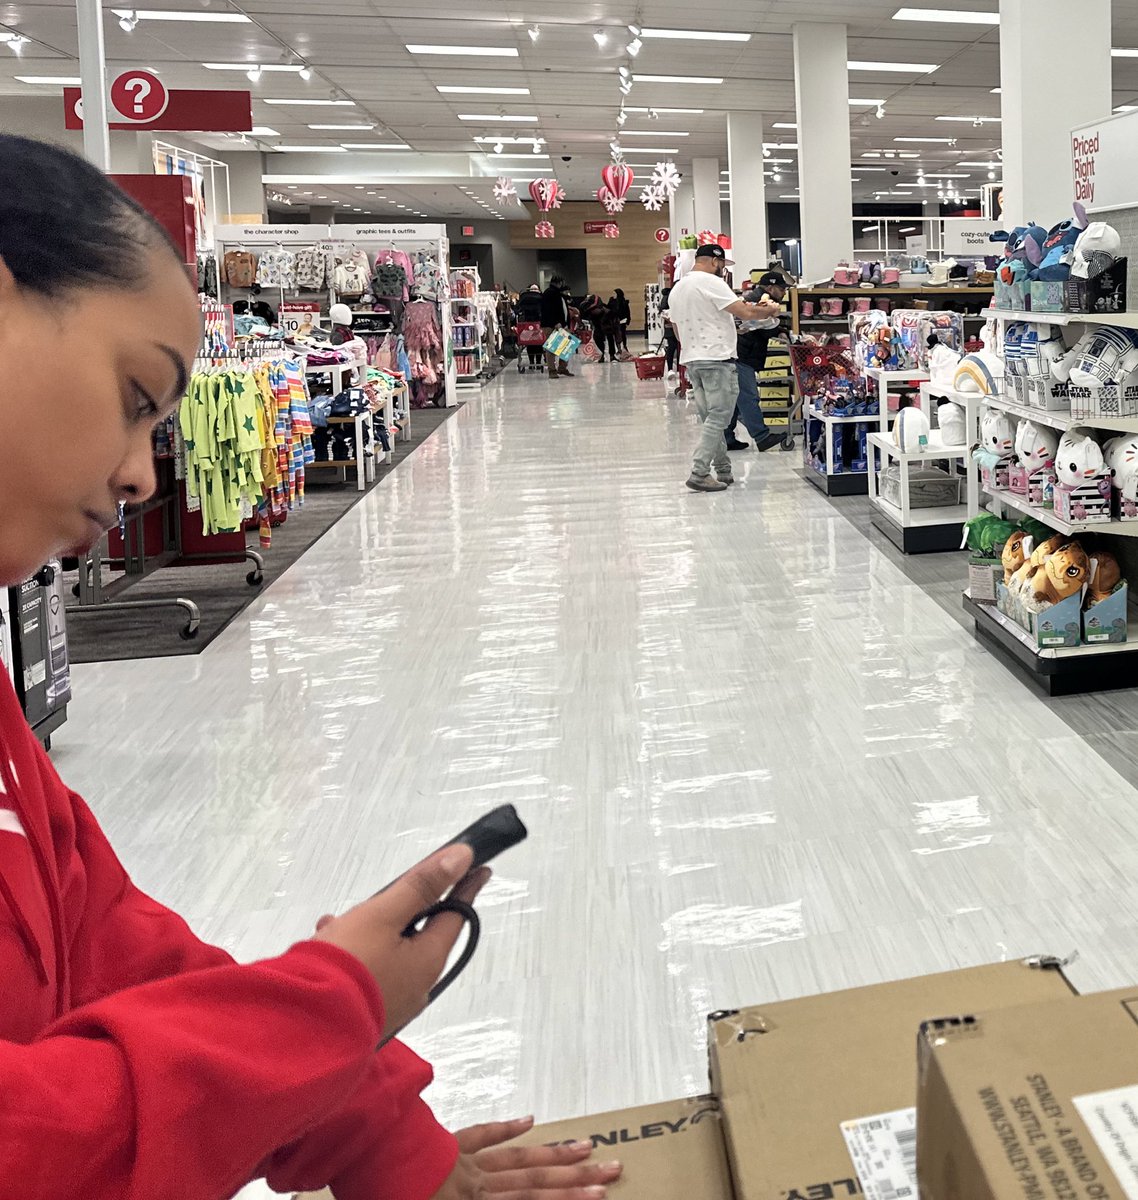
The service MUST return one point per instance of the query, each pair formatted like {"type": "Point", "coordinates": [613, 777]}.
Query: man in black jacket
{"type": "Point", "coordinates": [754, 338]}
{"type": "Point", "coordinates": [554, 315]}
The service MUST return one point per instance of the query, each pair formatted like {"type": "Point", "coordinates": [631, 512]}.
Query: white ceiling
{"type": "Point", "coordinates": [358, 48]}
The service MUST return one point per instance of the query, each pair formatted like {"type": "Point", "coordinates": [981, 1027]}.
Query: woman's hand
{"type": "Point", "coordinates": [487, 1167]}
{"type": "Point", "coordinates": [407, 968]}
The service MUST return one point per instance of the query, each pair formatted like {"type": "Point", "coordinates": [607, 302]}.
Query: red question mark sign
{"type": "Point", "coordinates": [139, 96]}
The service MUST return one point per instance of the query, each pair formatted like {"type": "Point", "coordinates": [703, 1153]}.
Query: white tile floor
{"type": "Point", "coordinates": [756, 761]}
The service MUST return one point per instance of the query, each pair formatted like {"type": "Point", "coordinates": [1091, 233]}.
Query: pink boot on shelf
{"type": "Point", "coordinates": [845, 276]}
{"type": "Point", "coordinates": [807, 308]}
{"type": "Point", "coordinates": [833, 307]}
{"type": "Point", "coordinates": [860, 305]}
{"type": "Point", "coordinates": [891, 277]}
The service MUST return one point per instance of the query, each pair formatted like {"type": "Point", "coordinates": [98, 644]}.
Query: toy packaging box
{"type": "Point", "coordinates": [1106, 621]}
{"type": "Point", "coordinates": [1090, 501]}
{"type": "Point", "coordinates": [1105, 400]}
{"type": "Point", "coordinates": [1059, 625]}
{"type": "Point", "coordinates": [1122, 508]}
{"type": "Point", "coordinates": [1038, 487]}
{"type": "Point", "coordinates": [1045, 393]}
{"type": "Point", "coordinates": [874, 341]}
{"type": "Point", "coordinates": [996, 477]}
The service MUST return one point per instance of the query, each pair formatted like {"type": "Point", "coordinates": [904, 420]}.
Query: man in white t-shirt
{"type": "Point", "coordinates": [703, 308]}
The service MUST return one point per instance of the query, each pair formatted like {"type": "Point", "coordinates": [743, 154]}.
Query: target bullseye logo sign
{"type": "Point", "coordinates": [139, 96]}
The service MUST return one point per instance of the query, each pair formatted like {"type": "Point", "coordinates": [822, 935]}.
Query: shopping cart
{"type": "Point", "coordinates": [527, 334]}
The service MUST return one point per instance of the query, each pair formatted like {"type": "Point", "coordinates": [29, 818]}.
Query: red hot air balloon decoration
{"type": "Point", "coordinates": [547, 194]}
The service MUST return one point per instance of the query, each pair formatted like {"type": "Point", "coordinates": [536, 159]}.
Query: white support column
{"type": "Point", "coordinates": [705, 187]}
{"type": "Point", "coordinates": [821, 85]}
{"type": "Point", "coordinates": [93, 74]}
{"type": "Point", "coordinates": [682, 211]}
{"type": "Point", "coordinates": [1049, 85]}
{"type": "Point", "coordinates": [749, 237]}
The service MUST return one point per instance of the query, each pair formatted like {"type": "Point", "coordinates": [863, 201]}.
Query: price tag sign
{"type": "Point", "coordinates": [295, 315]}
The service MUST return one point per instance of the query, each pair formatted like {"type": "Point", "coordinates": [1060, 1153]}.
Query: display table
{"type": "Point", "coordinates": [913, 530]}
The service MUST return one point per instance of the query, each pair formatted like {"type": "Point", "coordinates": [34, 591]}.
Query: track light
{"type": "Point", "coordinates": [534, 32]}
{"type": "Point", "coordinates": [253, 74]}
{"type": "Point", "coordinates": [624, 72]}
{"type": "Point", "coordinates": [601, 38]}
{"type": "Point", "coordinates": [17, 43]}
{"type": "Point", "coordinates": [634, 47]}
{"type": "Point", "coordinates": [536, 146]}
{"type": "Point", "coordinates": [128, 22]}
{"type": "Point", "coordinates": [305, 72]}
{"type": "Point", "coordinates": [625, 88]}
{"type": "Point", "coordinates": [499, 147]}
{"type": "Point", "coordinates": [622, 116]}
{"type": "Point", "coordinates": [777, 178]}
{"type": "Point", "coordinates": [881, 112]}
{"type": "Point", "coordinates": [766, 152]}
{"type": "Point", "coordinates": [635, 30]}
{"type": "Point", "coordinates": [991, 174]}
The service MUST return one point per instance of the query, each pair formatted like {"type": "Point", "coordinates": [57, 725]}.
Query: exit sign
{"type": "Point", "coordinates": [468, 231]}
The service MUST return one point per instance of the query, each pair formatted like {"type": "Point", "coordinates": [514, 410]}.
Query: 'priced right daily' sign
{"type": "Point", "coordinates": [1102, 162]}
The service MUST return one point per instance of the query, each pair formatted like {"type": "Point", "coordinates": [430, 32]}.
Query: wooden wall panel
{"type": "Point", "coordinates": [628, 261]}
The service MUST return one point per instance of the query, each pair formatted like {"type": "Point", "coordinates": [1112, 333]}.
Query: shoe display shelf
{"type": "Point", "coordinates": [919, 530]}
{"type": "Point", "coordinates": [1061, 671]}
{"type": "Point", "coordinates": [939, 297]}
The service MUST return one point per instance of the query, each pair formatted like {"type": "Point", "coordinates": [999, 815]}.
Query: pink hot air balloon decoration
{"type": "Point", "coordinates": [618, 179]}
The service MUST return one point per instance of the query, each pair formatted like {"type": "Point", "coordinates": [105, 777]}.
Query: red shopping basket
{"type": "Point", "coordinates": [649, 366]}
{"type": "Point", "coordinates": [529, 333]}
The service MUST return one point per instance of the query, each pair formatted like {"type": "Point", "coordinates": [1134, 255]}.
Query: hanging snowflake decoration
{"type": "Point", "coordinates": [504, 189]}
{"type": "Point", "coordinates": [653, 197]}
{"type": "Point", "coordinates": [667, 176]}
{"type": "Point", "coordinates": [557, 194]}
{"type": "Point", "coordinates": [613, 205]}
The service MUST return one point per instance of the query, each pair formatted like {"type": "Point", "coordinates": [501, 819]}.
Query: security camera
{"type": "Point", "coordinates": [894, 172]}
{"type": "Point", "coordinates": [567, 158]}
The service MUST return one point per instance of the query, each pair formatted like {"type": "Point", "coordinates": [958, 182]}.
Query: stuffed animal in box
{"type": "Point", "coordinates": [1121, 454]}
{"type": "Point", "coordinates": [1079, 457]}
{"type": "Point", "coordinates": [1016, 550]}
{"type": "Point", "coordinates": [1037, 555]}
{"type": "Point", "coordinates": [1063, 574]}
{"type": "Point", "coordinates": [997, 432]}
{"type": "Point", "coordinates": [1106, 576]}
{"type": "Point", "coordinates": [1036, 446]}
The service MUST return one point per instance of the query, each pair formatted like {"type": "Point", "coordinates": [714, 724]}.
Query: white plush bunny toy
{"type": "Point", "coordinates": [997, 432]}
{"type": "Point", "coordinates": [1036, 446]}
{"type": "Point", "coordinates": [1122, 458]}
{"type": "Point", "coordinates": [1078, 458]}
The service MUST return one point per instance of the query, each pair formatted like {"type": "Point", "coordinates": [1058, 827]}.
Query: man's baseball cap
{"type": "Point", "coordinates": [716, 252]}
{"type": "Point", "coordinates": [772, 279]}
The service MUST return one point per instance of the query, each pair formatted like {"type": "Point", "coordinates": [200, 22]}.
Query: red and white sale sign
{"type": "Point", "coordinates": [139, 96]}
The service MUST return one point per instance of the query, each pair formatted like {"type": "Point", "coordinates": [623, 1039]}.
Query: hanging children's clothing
{"type": "Point", "coordinates": [353, 271]}
{"type": "Point", "coordinates": [239, 268]}
{"type": "Point", "coordinates": [422, 335]}
{"type": "Point", "coordinates": [277, 268]}
{"type": "Point", "coordinates": [394, 271]}
{"type": "Point", "coordinates": [429, 281]}
{"type": "Point", "coordinates": [312, 274]}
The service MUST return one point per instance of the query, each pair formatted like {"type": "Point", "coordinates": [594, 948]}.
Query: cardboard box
{"type": "Point", "coordinates": [1038, 1101]}
{"type": "Point", "coordinates": [1057, 625]}
{"type": "Point", "coordinates": [789, 1074]}
{"type": "Point", "coordinates": [1089, 501]}
{"type": "Point", "coordinates": [1107, 620]}
{"type": "Point", "coordinates": [670, 1151]}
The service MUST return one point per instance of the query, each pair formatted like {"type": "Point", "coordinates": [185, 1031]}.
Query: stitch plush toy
{"type": "Point", "coordinates": [1062, 575]}
{"type": "Point", "coordinates": [1078, 458]}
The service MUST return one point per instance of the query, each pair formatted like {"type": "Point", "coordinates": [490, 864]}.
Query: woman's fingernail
{"type": "Point", "coordinates": [581, 1146]}
{"type": "Point", "coordinates": [598, 1192]}
{"type": "Point", "coordinates": [610, 1166]}
{"type": "Point", "coordinates": [527, 1121]}
{"type": "Point", "coordinates": [455, 858]}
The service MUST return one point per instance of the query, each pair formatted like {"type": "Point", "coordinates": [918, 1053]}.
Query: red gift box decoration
{"type": "Point", "coordinates": [612, 231]}
{"type": "Point", "coordinates": [543, 229]}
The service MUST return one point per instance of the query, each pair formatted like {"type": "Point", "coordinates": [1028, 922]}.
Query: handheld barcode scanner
{"type": "Point", "coordinates": [487, 837]}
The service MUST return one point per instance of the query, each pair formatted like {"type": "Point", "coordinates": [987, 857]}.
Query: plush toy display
{"type": "Point", "coordinates": [1102, 355]}
{"type": "Point", "coordinates": [980, 374]}
{"type": "Point", "coordinates": [1063, 574]}
{"type": "Point", "coordinates": [1059, 248]}
{"type": "Point", "coordinates": [1037, 555]}
{"type": "Point", "coordinates": [1079, 457]}
{"type": "Point", "coordinates": [911, 430]}
{"type": "Point", "coordinates": [1016, 549]}
{"type": "Point", "coordinates": [1095, 251]}
{"type": "Point", "coordinates": [1107, 575]}
{"type": "Point", "coordinates": [1036, 446]}
{"type": "Point", "coordinates": [1121, 454]}
{"type": "Point", "coordinates": [943, 361]}
{"type": "Point", "coordinates": [950, 418]}
{"type": "Point", "coordinates": [997, 432]}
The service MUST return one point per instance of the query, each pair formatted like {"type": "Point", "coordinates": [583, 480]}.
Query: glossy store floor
{"type": "Point", "coordinates": [757, 760]}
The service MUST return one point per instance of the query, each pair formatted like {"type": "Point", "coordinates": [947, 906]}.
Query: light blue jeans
{"type": "Point", "coordinates": [715, 386]}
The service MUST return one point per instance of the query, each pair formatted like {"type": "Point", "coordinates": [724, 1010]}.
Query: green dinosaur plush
{"type": "Point", "coordinates": [984, 532]}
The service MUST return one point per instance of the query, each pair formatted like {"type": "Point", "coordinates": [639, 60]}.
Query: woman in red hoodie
{"type": "Point", "coordinates": [136, 1062]}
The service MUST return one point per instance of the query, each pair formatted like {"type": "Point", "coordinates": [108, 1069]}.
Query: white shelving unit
{"type": "Point", "coordinates": [1125, 320]}
{"type": "Point", "coordinates": [913, 530]}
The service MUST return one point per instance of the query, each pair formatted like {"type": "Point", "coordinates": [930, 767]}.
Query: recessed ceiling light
{"type": "Point", "coordinates": [973, 120]}
{"type": "Point", "coordinates": [946, 16]}
{"type": "Point", "coordinates": [263, 131]}
{"type": "Point", "coordinates": [711, 80]}
{"type": "Point", "coordinates": [494, 117]}
{"type": "Point", "coordinates": [152, 14]}
{"type": "Point", "coordinates": [1124, 54]}
{"type": "Point", "coordinates": [333, 103]}
{"type": "Point", "coordinates": [288, 69]}
{"type": "Point", "coordinates": [471, 51]}
{"type": "Point", "coordinates": [57, 80]}
{"type": "Point", "coordinates": [695, 35]}
{"type": "Point", "coordinates": [364, 127]}
{"type": "Point", "coordinates": [310, 149]}
{"type": "Point", "coordinates": [898, 67]}
{"type": "Point", "coordinates": [785, 125]}
{"type": "Point", "coordinates": [451, 90]}
{"type": "Point", "coordinates": [305, 73]}
{"type": "Point", "coordinates": [375, 146]}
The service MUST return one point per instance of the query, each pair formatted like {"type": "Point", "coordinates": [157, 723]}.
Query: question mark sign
{"type": "Point", "coordinates": [140, 88]}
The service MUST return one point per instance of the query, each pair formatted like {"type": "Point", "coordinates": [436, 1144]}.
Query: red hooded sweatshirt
{"type": "Point", "coordinates": [137, 1062]}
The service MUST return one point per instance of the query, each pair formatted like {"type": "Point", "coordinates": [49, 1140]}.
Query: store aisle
{"type": "Point", "coordinates": [756, 761]}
